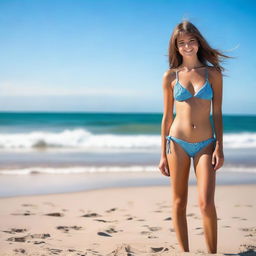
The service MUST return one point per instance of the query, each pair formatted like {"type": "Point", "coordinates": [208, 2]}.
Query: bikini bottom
{"type": "Point", "coordinates": [190, 148]}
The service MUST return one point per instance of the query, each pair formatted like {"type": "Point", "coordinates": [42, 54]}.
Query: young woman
{"type": "Point", "coordinates": [192, 84]}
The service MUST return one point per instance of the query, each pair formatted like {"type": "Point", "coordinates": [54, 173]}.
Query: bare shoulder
{"type": "Point", "coordinates": [214, 73]}
{"type": "Point", "coordinates": [169, 77]}
{"type": "Point", "coordinates": [215, 76]}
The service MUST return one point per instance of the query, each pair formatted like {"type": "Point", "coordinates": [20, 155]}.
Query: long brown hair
{"type": "Point", "coordinates": [206, 54]}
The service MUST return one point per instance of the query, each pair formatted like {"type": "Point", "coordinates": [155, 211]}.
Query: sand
{"type": "Point", "coordinates": [123, 221]}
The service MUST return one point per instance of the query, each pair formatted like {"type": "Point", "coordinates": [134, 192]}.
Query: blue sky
{"type": "Point", "coordinates": [106, 55]}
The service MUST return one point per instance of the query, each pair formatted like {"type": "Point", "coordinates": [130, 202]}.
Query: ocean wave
{"type": "Point", "coordinates": [77, 139]}
{"type": "Point", "coordinates": [78, 169]}
{"type": "Point", "coordinates": [85, 140]}
{"type": "Point", "coordinates": [105, 169]}
{"type": "Point", "coordinates": [240, 140]}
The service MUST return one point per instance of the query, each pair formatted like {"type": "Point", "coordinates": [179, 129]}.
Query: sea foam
{"type": "Point", "coordinates": [85, 140]}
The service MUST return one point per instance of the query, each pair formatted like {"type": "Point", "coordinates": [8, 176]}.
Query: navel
{"type": "Point", "coordinates": [193, 126]}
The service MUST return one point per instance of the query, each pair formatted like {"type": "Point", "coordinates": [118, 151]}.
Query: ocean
{"type": "Point", "coordinates": [81, 144]}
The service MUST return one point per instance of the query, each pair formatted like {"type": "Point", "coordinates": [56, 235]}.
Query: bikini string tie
{"type": "Point", "coordinates": [168, 147]}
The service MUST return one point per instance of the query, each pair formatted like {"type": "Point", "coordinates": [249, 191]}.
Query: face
{"type": "Point", "coordinates": [187, 45]}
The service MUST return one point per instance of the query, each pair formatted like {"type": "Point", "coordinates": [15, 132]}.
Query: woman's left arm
{"type": "Point", "coordinates": [217, 84]}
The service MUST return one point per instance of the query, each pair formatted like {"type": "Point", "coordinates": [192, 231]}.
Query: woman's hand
{"type": "Point", "coordinates": [217, 158]}
{"type": "Point", "coordinates": [163, 166]}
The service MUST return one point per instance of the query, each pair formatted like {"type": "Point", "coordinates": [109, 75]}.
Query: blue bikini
{"type": "Point", "coordinates": [180, 93]}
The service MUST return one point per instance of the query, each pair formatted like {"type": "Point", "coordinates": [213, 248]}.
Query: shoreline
{"type": "Point", "coordinates": [40, 184]}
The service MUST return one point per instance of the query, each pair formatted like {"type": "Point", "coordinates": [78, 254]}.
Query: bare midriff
{"type": "Point", "coordinates": [192, 120]}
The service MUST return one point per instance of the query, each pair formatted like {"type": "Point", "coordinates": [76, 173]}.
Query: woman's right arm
{"type": "Point", "coordinates": [167, 118]}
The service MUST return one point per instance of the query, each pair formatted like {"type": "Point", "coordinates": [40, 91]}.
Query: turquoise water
{"type": "Point", "coordinates": [99, 123]}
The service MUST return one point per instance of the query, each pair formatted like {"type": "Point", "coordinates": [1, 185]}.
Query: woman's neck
{"type": "Point", "coordinates": [191, 63]}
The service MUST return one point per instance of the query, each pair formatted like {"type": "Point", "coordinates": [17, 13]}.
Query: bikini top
{"type": "Point", "coordinates": [182, 94]}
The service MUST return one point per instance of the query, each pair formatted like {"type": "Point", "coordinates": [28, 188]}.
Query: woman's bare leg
{"type": "Point", "coordinates": [206, 179]}
{"type": "Point", "coordinates": [179, 165]}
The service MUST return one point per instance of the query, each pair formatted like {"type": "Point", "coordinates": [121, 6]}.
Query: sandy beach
{"type": "Point", "coordinates": [123, 221]}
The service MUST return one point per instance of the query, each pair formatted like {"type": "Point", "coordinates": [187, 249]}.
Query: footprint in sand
{"type": "Point", "coordinates": [71, 250]}
{"type": "Point", "coordinates": [103, 234]}
{"type": "Point", "coordinates": [93, 214]}
{"type": "Point", "coordinates": [252, 229]}
{"type": "Point", "coordinates": [21, 250]}
{"type": "Point", "coordinates": [250, 235]}
{"type": "Point", "coordinates": [66, 229]}
{"type": "Point", "coordinates": [106, 221]}
{"type": "Point", "coordinates": [239, 218]}
{"type": "Point", "coordinates": [141, 220]}
{"type": "Point", "coordinates": [15, 230]}
{"type": "Point", "coordinates": [149, 234]}
{"type": "Point", "coordinates": [145, 232]}
{"type": "Point", "coordinates": [54, 251]}
{"type": "Point", "coordinates": [159, 249]}
{"type": "Point", "coordinates": [94, 252]}
{"type": "Point", "coordinates": [27, 213]}
{"type": "Point", "coordinates": [130, 217]}
{"type": "Point", "coordinates": [25, 238]}
{"type": "Point", "coordinates": [17, 239]}
{"type": "Point", "coordinates": [247, 248]}
{"type": "Point", "coordinates": [168, 218]}
{"type": "Point", "coordinates": [124, 249]}
{"type": "Point", "coordinates": [154, 228]}
{"type": "Point", "coordinates": [55, 214]}
{"type": "Point", "coordinates": [152, 236]}
{"type": "Point", "coordinates": [111, 230]}
{"type": "Point", "coordinates": [111, 210]}
{"type": "Point", "coordinates": [39, 242]}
